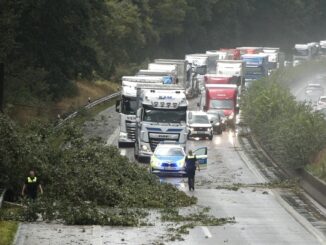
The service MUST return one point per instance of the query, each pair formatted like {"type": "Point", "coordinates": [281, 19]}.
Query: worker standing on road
{"type": "Point", "coordinates": [191, 166]}
{"type": "Point", "coordinates": [32, 186]}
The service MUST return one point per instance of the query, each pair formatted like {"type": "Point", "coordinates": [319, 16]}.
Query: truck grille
{"type": "Point", "coordinates": [173, 165]}
{"type": "Point", "coordinates": [131, 130]}
{"type": "Point", "coordinates": [154, 141]}
{"type": "Point", "coordinates": [200, 129]}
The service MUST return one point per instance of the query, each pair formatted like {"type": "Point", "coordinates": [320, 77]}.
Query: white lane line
{"type": "Point", "coordinates": [206, 232]}
{"type": "Point", "coordinates": [123, 152]}
{"type": "Point", "coordinates": [113, 136]}
{"type": "Point", "coordinates": [97, 235]}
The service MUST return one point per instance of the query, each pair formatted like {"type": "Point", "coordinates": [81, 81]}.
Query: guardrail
{"type": "Point", "coordinates": [89, 106]}
{"type": "Point", "coordinates": [71, 116]}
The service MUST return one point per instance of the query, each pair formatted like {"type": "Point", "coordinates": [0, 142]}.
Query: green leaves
{"type": "Point", "coordinates": [79, 178]}
{"type": "Point", "coordinates": [289, 130]}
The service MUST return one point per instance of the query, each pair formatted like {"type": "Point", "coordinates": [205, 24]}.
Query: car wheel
{"type": "Point", "coordinates": [188, 137]}
{"type": "Point", "coordinates": [210, 137]}
{"type": "Point", "coordinates": [220, 131]}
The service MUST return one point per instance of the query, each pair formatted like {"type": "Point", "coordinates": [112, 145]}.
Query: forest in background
{"type": "Point", "coordinates": [46, 45]}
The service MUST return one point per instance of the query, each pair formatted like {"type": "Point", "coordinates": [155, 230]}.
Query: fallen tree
{"type": "Point", "coordinates": [85, 182]}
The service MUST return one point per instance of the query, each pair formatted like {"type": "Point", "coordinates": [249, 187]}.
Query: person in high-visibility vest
{"type": "Point", "coordinates": [32, 186]}
{"type": "Point", "coordinates": [191, 166]}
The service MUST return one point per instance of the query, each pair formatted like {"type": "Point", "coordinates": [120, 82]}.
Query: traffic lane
{"type": "Point", "coordinates": [260, 219]}
{"type": "Point", "coordinates": [298, 88]}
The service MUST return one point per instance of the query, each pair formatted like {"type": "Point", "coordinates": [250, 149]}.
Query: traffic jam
{"type": "Point", "coordinates": [174, 102]}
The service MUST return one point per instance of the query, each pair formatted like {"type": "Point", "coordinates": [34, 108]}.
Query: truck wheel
{"type": "Point", "coordinates": [188, 137]}
{"type": "Point", "coordinates": [135, 154]}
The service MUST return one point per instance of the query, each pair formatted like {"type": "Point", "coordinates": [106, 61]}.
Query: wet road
{"type": "Point", "coordinates": [263, 215]}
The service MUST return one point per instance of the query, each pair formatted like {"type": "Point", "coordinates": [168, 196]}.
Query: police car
{"type": "Point", "coordinates": [169, 158]}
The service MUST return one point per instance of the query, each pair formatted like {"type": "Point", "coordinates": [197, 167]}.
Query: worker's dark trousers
{"type": "Point", "coordinates": [191, 180]}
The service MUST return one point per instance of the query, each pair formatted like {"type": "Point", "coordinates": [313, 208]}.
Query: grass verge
{"type": "Point", "coordinates": [7, 232]}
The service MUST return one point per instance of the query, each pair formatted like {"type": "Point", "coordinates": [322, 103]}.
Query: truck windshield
{"type": "Point", "coordinates": [254, 71]}
{"type": "Point", "coordinates": [129, 105]}
{"type": "Point", "coordinates": [221, 104]}
{"type": "Point", "coordinates": [301, 52]}
{"type": "Point", "coordinates": [165, 115]}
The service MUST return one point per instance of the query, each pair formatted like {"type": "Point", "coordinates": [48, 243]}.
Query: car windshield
{"type": "Point", "coordinates": [165, 115]}
{"type": "Point", "coordinates": [221, 104]}
{"type": "Point", "coordinates": [129, 105]}
{"type": "Point", "coordinates": [166, 151]}
{"type": "Point", "coordinates": [201, 119]}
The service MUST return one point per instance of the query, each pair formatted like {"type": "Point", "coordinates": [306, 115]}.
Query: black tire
{"type": "Point", "coordinates": [210, 137]}
{"type": "Point", "coordinates": [135, 154]}
{"type": "Point", "coordinates": [220, 131]}
{"type": "Point", "coordinates": [188, 137]}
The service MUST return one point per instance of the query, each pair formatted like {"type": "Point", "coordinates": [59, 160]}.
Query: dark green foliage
{"type": "Point", "coordinates": [289, 130]}
{"type": "Point", "coordinates": [47, 44]}
{"type": "Point", "coordinates": [79, 177]}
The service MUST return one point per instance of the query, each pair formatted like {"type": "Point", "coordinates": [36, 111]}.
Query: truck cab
{"type": "Point", "coordinates": [256, 67]}
{"type": "Point", "coordinates": [127, 106]}
{"type": "Point", "coordinates": [221, 79]}
{"type": "Point", "coordinates": [276, 58]}
{"type": "Point", "coordinates": [322, 50]}
{"type": "Point", "coordinates": [222, 97]}
{"type": "Point", "coordinates": [161, 116]}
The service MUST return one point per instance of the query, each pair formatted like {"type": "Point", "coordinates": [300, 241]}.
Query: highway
{"type": "Point", "coordinates": [264, 214]}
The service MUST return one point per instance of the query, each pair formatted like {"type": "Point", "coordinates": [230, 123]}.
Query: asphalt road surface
{"type": "Point", "coordinates": [263, 215]}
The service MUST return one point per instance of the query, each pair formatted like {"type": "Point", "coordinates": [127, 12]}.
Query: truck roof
{"type": "Point", "coordinates": [260, 55]}
{"type": "Point", "coordinates": [160, 86]}
{"type": "Point", "coordinates": [173, 61]}
{"type": "Point", "coordinates": [219, 75]}
{"type": "Point", "coordinates": [141, 78]}
{"type": "Point", "coordinates": [230, 61]}
{"type": "Point", "coordinates": [249, 48]}
{"type": "Point", "coordinates": [154, 72]}
{"type": "Point", "coordinates": [270, 50]}
{"type": "Point", "coordinates": [161, 67]}
{"type": "Point", "coordinates": [217, 86]}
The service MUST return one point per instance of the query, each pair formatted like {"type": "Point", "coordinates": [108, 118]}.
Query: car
{"type": "Point", "coordinates": [169, 158]}
{"type": "Point", "coordinates": [322, 111]}
{"type": "Point", "coordinates": [217, 119]}
{"type": "Point", "coordinates": [321, 102]}
{"type": "Point", "coordinates": [313, 92]}
{"type": "Point", "coordinates": [198, 125]}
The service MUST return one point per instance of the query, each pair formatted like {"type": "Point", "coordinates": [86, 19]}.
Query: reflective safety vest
{"type": "Point", "coordinates": [30, 180]}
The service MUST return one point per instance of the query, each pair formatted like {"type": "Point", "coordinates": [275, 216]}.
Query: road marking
{"type": "Point", "coordinates": [123, 152]}
{"type": "Point", "coordinates": [206, 232]}
{"type": "Point", "coordinates": [97, 235]}
{"type": "Point", "coordinates": [113, 136]}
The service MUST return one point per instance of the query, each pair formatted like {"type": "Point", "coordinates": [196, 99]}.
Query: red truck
{"type": "Point", "coordinates": [234, 53]}
{"type": "Point", "coordinates": [220, 79]}
{"type": "Point", "coordinates": [222, 97]}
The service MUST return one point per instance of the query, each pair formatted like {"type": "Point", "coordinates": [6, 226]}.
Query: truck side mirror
{"type": "Point", "coordinates": [237, 109]}
{"type": "Point", "coordinates": [117, 105]}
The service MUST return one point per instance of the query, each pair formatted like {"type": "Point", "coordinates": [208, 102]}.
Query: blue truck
{"type": "Point", "coordinates": [256, 67]}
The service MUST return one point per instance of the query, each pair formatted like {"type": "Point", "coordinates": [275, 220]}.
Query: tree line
{"type": "Point", "coordinates": [47, 44]}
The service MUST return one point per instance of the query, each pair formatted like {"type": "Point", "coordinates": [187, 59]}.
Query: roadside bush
{"type": "Point", "coordinates": [79, 176]}
{"type": "Point", "coordinates": [287, 129]}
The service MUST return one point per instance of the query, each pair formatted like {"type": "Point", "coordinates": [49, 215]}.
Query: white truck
{"type": "Point", "coordinates": [232, 68]}
{"type": "Point", "coordinates": [322, 50]}
{"type": "Point", "coordinates": [170, 77]}
{"type": "Point", "coordinates": [202, 64]}
{"type": "Point", "coordinates": [276, 58]}
{"type": "Point", "coordinates": [161, 116]}
{"type": "Point", "coordinates": [126, 106]}
{"type": "Point", "coordinates": [304, 52]}
{"type": "Point", "coordinates": [181, 69]}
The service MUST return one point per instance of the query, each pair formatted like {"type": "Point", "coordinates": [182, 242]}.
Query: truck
{"type": "Point", "coordinates": [160, 117]}
{"type": "Point", "coordinates": [234, 54]}
{"type": "Point", "coordinates": [222, 97]}
{"type": "Point", "coordinates": [221, 79]}
{"type": "Point", "coordinates": [276, 58]}
{"type": "Point", "coordinates": [256, 67]}
{"type": "Point", "coordinates": [322, 50]}
{"type": "Point", "coordinates": [304, 52]}
{"type": "Point", "coordinates": [201, 64]}
{"type": "Point", "coordinates": [126, 106]}
{"type": "Point", "coordinates": [222, 55]}
{"type": "Point", "coordinates": [250, 50]}
{"type": "Point", "coordinates": [170, 77]}
{"type": "Point", "coordinates": [181, 69]}
{"type": "Point", "coordinates": [232, 68]}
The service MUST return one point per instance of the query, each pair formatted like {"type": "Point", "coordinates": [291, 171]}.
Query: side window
{"type": "Point", "coordinates": [201, 151]}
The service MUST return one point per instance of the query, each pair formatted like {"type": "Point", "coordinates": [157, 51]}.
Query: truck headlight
{"type": "Point", "coordinates": [144, 148]}
{"type": "Point", "coordinates": [231, 116]}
